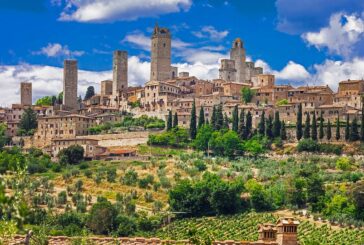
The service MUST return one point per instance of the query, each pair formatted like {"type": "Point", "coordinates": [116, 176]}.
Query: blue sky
{"type": "Point", "coordinates": [310, 41]}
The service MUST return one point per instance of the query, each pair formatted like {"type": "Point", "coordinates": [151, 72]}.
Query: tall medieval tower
{"type": "Point", "coordinates": [161, 54]}
{"type": "Point", "coordinates": [70, 79]}
{"type": "Point", "coordinates": [237, 53]}
{"type": "Point", "coordinates": [120, 72]}
{"type": "Point", "coordinates": [25, 93]}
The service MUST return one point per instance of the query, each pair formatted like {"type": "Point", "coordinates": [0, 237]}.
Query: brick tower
{"type": "Point", "coordinates": [25, 93]}
{"type": "Point", "coordinates": [287, 231]}
{"type": "Point", "coordinates": [237, 53]}
{"type": "Point", "coordinates": [70, 79]}
{"type": "Point", "coordinates": [161, 54]}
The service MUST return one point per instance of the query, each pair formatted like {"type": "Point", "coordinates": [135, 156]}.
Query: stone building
{"type": "Point", "coordinates": [25, 93]}
{"type": "Point", "coordinates": [158, 95]}
{"type": "Point", "coordinates": [251, 70]}
{"type": "Point", "coordinates": [106, 87]}
{"type": "Point", "coordinates": [237, 54]}
{"type": "Point", "coordinates": [263, 80]}
{"type": "Point", "coordinates": [161, 54]}
{"type": "Point", "coordinates": [68, 126]}
{"type": "Point", "coordinates": [227, 70]}
{"type": "Point", "coordinates": [120, 74]}
{"type": "Point", "coordinates": [90, 146]}
{"type": "Point", "coordinates": [70, 80]}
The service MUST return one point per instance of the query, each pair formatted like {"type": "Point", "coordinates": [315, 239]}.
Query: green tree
{"type": "Point", "coordinates": [226, 122]}
{"type": "Point", "coordinates": [299, 123]}
{"type": "Point", "coordinates": [328, 130]}
{"type": "Point", "coordinates": [213, 117]}
{"type": "Point", "coordinates": [306, 132]}
{"type": "Point", "coordinates": [28, 122]}
{"type": "Point", "coordinates": [3, 138]}
{"type": "Point", "coordinates": [44, 101]}
{"type": "Point", "coordinates": [169, 121]}
{"type": "Point", "coordinates": [315, 192]}
{"type": "Point", "coordinates": [90, 92]}
{"type": "Point", "coordinates": [358, 197]}
{"type": "Point", "coordinates": [354, 133]}
{"type": "Point", "coordinates": [276, 125]}
{"type": "Point", "coordinates": [261, 126]}
{"type": "Point", "coordinates": [235, 124]}
{"type": "Point", "coordinates": [347, 128]}
{"type": "Point", "coordinates": [102, 218]}
{"type": "Point", "coordinates": [71, 155]}
{"type": "Point", "coordinates": [241, 124]}
{"type": "Point", "coordinates": [201, 119]}
{"type": "Point", "coordinates": [60, 98]}
{"type": "Point", "coordinates": [175, 120]}
{"type": "Point", "coordinates": [321, 126]}
{"type": "Point", "coordinates": [337, 136]}
{"type": "Point", "coordinates": [203, 137]}
{"type": "Point", "coordinates": [247, 94]}
{"type": "Point", "coordinates": [193, 129]}
{"type": "Point", "coordinates": [314, 127]}
{"type": "Point", "coordinates": [219, 117]}
{"type": "Point", "coordinates": [248, 126]}
{"type": "Point", "coordinates": [269, 128]}
{"type": "Point", "coordinates": [298, 193]}
{"type": "Point", "coordinates": [283, 133]}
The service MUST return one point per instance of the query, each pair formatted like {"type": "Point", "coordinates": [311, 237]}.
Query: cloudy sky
{"type": "Point", "coordinates": [308, 42]}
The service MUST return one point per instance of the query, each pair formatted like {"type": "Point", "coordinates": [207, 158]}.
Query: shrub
{"type": "Point", "coordinates": [71, 155]}
{"type": "Point", "coordinates": [330, 148]}
{"type": "Point", "coordinates": [130, 178]}
{"type": "Point", "coordinates": [200, 165]}
{"type": "Point", "coordinates": [111, 175]}
{"type": "Point", "coordinates": [343, 163]}
{"type": "Point", "coordinates": [307, 145]}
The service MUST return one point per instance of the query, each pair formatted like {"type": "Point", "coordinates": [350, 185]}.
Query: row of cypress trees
{"type": "Point", "coordinates": [309, 130]}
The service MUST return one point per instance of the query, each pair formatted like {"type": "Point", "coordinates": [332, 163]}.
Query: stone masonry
{"type": "Point", "coordinates": [70, 79]}
{"type": "Point", "coordinates": [120, 72]}
{"type": "Point", "coordinates": [26, 93]}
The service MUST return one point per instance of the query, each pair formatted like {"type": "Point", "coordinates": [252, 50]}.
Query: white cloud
{"type": "Point", "coordinates": [211, 33]}
{"type": "Point", "coordinates": [343, 32]}
{"type": "Point", "coordinates": [57, 50]}
{"type": "Point", "coordinates": [139, 40]}
{"type": "Point", "coordinates": [291, 72]}
{"type": "Point", "coordinates": [200, 70]}
{"type": "Point", "coordinates": [111, 10]}
{"type": "Point", "coordinates": [332, 72]}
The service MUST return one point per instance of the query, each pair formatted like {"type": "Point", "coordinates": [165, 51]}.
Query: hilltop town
{"type": "Point", "coordinates": [66, 121]}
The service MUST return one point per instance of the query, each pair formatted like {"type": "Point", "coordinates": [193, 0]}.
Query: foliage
{"type": "Point", "coordinates": [225, 143]}
{"type": "Point", "coordinates": [193, 126]}
{"type": "Point", "coordinates": [169, 121]}
{"type": "Point", "coordinates": [71, 155]}
{"type": "Point", "coordinates": [203, 137]}
{"type": "Point", "coordinates": [299, 123]}
{"type": "Point", "coordinates": [201, 118]}
{"type": "Point", "coordinates": [45, 101]}
{"type": "Point", "coordinates": [343, 163]}
{"type": "Point", "coordinates": [175, 120]}
{"type": "Point", "coordinates": [102, 218]}
{"type": "Point", "coordinates": [247, 94]}
{"type": "Point", "coordinates": [306, 132]}
{"type": "Point", "coordinates": [235, 124]}
{"type": "Point", "coordinates": [276, 125]}
{"type": "Point", "coordinates": [177, 137]}
{"type": "Point", "coordinates": [282, 102]}
{"type": "Point", "coordinates": [89, 92]}
{"type": "Point", "coordinates": [28, 122]}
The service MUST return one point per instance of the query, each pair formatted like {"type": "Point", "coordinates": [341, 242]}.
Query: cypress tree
{"type": "Point", "coordinates": [219, 117]}
{"type": "Point", "coordinates": [306, 132]}
{"type": "Point", "coordinates": [193, 130]}
{"type": "Point", "coordinates": [169, 120]}
{"type": "Point", "coordinates": [362, 122]}
{"type": "Point", "coordinates": [337, 136]}
{"type": "Point", "coordinates": [201, 119]}
{"type": "Point", "coordinates": [235, 125]}
{"type": "Point", "coordinates": [328, 130]}
{"type": "Point", "coordinates": [248, 126]}
{"type": "Point", "coordinates": [299, 123]}
{"type": "Point", "coordinates": [175, 120]}
{"type": "Point", "coordinates": [321, 130]}
{"type": "Point", "coordinates": [226, 122]}
{"type": "Point", "coordinates": [347, 128]}
{"type": "Point", "coordinates": [269, 128]}
{"type": "Point", "coordinates": [314, 127]}
{"type": "Point", "coordinates": [261, 126]}
{"type": "Point", "coordinates": [283, 133]}
{"type": "Point", "coordinates": [276, 125]}
{"type": "Point", "coordinates": [241, 124]}
{"type": "Point", "coordinates": [213, 117]}
{"type": "Point", "coordinates": [207, 121]}
{"type": "Point", "coordinates": [354, 133]}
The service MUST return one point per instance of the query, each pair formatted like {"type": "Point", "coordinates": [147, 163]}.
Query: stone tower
{"type": "Point", "coordinates": [227, 70]}
{"type": "Point", "coordinates": [237, 53]}
{"type": "Point", "coordinates": [70, 79]}
{"type": "Point", "coordinates": [287, 231]}
{"type": "Point", "coordinates": [106, 87]}
{"type": "Point", "coordinates": [25, 93]}
{"type": "Point", "coordinates": [161, 54]}
{"type": "Point", "coordinates": [120, 72]}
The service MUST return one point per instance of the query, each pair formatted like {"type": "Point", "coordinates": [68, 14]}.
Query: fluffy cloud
{"type": "Point", "coordinates": [291, 72]}
{"type": "Point", "coordinates": [211, 33]}
{"type": "Point", "coordinates": [111, 10]}
{"type": "Point", "coordinates": [340, 37]}
{"type": "Point", "coordinates": [57, 50]}
{"type": "Point", "coordinates": [307, 15]}
{"type": "Point", "coordinates": [332, 72]}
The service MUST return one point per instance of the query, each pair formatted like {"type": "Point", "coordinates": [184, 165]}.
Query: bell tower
{"type": "Point", "coordinates": [237, 53]}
